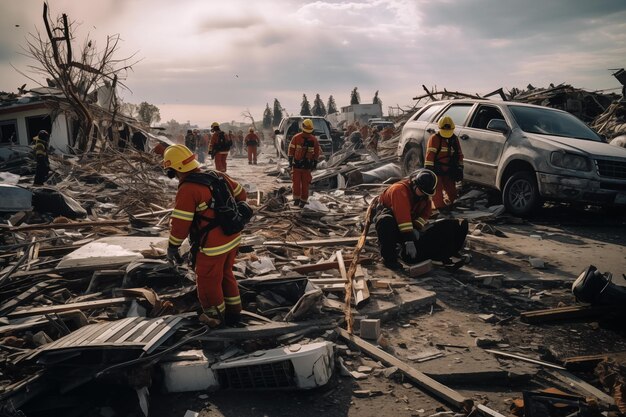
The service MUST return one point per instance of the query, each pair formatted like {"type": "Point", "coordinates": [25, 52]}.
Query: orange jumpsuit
{"type": "Point", "coordinates": [438, 157]}
{"type": "Point", "coordinates": [217, 288]}
{"type": "Point", "coordinates": [252, 142]}
{"type": "Point", "coordinates": [305, 150]}
{"type": "Point", "coordinates": [399, 212]}
{"type": "Point", "coordinates": [387, 133]}
{"type": "Point", "coordinates": [220, 151]}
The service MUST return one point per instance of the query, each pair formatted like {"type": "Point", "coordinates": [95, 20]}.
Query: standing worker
{"type": "Point", "coordinates": [304, 150]}
{"type": "Point", "coordinates": [252, 142]}
{"type": "Point", "coordinates": [40, 147]}
{"type": "Point", "coordinates": [190, 140]}
{"type": "Point", "coordinates": [402, 212]}
{"type": "Point", "coordinates": [219, 146]}
{"type": "Point", "coordinates": [214, 257]}
{"type": "Point", "coordinates": [445, 158]}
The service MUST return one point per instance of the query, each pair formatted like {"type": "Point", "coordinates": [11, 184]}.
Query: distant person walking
{"type": "Point", "coordinates": [252, 143]}
{"type": "Point", "coordinates": [219, 146]}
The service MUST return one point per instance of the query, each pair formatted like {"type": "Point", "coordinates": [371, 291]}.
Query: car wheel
{"type": "Point", "coordinates": [411, 161]}
{"type": "Point", "coordinates": [521, 194]}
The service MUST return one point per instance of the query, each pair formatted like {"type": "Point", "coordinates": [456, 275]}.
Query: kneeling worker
{"type": "Point", "coordinates": [403, 210]}
{"type": "Point", "coordinates": [215, 251]}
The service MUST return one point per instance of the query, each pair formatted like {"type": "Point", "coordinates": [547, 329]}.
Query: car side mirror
{"type": "Point", "coordinates": [277, 132]}
{"type": "Point", "coordinates": [498, 125]}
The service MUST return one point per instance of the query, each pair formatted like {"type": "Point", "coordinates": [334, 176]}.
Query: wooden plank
{"type": "Point", "coordinates": [87, 305]}
{"type": "Point", "coordinates": [488, 411]}
{"type": "Point", "coordinates": [525, 359]}
{"type": "Point", "coordinates": [359, 286]}
{"type": "Point", "coordinates": [566, 313]}
{"type": "Point", "coordinates": [590, 361]}
{"type": "Point", "coordinates": [441, 391]}
{"type": "Point", "coordinates": [76, 225]}
{"type": "Point", "coordinates": [573, 380]}
{"type": "Point", "coordinates": [318, 242]}
{"type": "Point", "coordinates": [325, 266]}
{"type": "Point", "coordinates": [420, 268]}
{"type": "Point", "coordinates": [342, 266]}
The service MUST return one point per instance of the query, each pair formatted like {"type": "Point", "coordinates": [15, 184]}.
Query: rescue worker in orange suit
{"type": "Point", "coordinates": [219, 146]}
{"type": "Point", "coordinates": [304, 150]}
{"type": "Point", "coordinates": [40, 147]}
{"type": "Point", "coordinates": [402, 211]}
{"type": "Point", "coordinates": [387, 133]}
{"type": "Point", "coordinates": [445, 158]}
{"type": "Point", "coordinates": [217, 288]}
{"type": "Point", "coordinates": [372, 143]}
{"type": "Point", "coordinates": [252, 143]}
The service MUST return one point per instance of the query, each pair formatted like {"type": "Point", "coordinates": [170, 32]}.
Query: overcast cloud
{"type": "Point", "coordinates": [205, 60]}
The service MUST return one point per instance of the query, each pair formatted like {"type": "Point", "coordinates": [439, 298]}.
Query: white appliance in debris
{"type": "Point", "coordinates": [290, 367]}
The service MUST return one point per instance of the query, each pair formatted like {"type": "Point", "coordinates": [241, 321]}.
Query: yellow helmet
{"type": "Point", "coordinates": [251, 130]}
{"type": "Point", "coordinates": [307, 125]}
{"type": "Point", "coordinates": [446, 126]}
{"type": "Point", "coordinates": [214, 125]}
{"type": "Point", "coordinates": [179, 158]}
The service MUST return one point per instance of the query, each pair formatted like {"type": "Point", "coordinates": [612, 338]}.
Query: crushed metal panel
{"type": "Point", "coordinates": [132, 332]}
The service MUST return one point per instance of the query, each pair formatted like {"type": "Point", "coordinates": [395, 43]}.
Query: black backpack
{"type": "Point", "coordinates": [224, 143]}
{"type": "Point", "coordinates": [231, 215]}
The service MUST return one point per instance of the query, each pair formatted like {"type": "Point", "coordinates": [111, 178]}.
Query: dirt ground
{"type": "Point", "coordinates": [567, 240]}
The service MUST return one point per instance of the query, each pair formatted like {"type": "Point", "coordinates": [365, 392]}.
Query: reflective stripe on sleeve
{"type": "Point", "coordinates": [182, 215]}
{"type": "Point", "coordinates": [405, 227]}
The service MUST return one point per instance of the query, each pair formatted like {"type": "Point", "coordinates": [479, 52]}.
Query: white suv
{"type": "Point", "coordinates": [529, 153]}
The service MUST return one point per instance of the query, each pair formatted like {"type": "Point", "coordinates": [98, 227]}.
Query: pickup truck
{"type": "Point", "coordinates": [529, 153]}
{"type": "Point", "coordinates": [289, 126]}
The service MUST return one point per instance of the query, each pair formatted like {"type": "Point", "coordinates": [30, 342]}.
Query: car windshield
{"type": "Point", "coordinates": [551, 122]}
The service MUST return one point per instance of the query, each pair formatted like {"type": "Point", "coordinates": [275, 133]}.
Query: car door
{"type": "Point", "coordinates": [482, 147]}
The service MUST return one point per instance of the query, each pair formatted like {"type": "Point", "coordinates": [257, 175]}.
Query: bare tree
{"type": "Point", "coordinates": [78, 72]}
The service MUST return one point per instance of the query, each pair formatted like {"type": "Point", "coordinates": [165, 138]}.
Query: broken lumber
{"type": "Point", "coordinates": [420, 268]}
{"type": "Point", "coordinates": [588, 362]}
{"type": "Point", "coordinates": [87, 305]}
{"type": "Point", "coordinates": [359, 286]}
{"type": "Point", "coordinates": [354, 263]}
{"type": "Point", "coordinates": [317, 242]}
{"type": "Point", "coordinates": [525, 359]}
{"type": "Point", "coordinates": [447, 394]}
{"type": "Point", "coordinates": [325, 266]}
{"type": "Point", "coordinates": [566, 313]}
{"type": "Point", "coordinates": [75, 225]}
{"type": "Point", "coordinates": [588, 389]}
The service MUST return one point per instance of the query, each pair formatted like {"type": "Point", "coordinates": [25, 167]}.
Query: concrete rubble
{"type": "Point", "coordinates": [88, 298]}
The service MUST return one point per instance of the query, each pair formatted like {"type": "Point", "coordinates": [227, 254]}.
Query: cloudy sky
{"type": "Point", "coordinates": [206, 60]}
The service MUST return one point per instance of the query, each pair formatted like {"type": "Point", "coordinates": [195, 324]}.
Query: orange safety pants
{"type": "Point", "coordinates": [445, 193]}
{"type": "Point", "coordinates": [301, 178]}
{"type": "Point", "coordinates": [220, 161]}
{"type": "Point", "coordinates": [252, 154]}
{"type": "Point", "coordinates": [217, 287]}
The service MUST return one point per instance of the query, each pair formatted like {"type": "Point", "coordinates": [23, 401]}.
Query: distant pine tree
{"type": "Point", "coordinates": [305, 107]}
{"type": "Point", "coordinates": [267, 117]}
{"type": "Point", "coordinates": [331, 106]}
{"type": "Point", "coordinates": [318, 107]}
{"type": "Point", "coordinates": [355, 98]}
{"type": "Point", "coordinates": [277, 113]}
{"type": "Point", "coordinates": [377, 100]}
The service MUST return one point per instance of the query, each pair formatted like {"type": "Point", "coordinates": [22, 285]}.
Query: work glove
{"type": "Point", "coordinates": [291, 162]}
{"type": "Point", "coordinates": [416, 235]}
{"type": "Point", "coordinates": [410, 249]}
{"type": "Point", "coordinates": [459, 173]}
{"type": "Point", "coordinates": [173, 255]}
